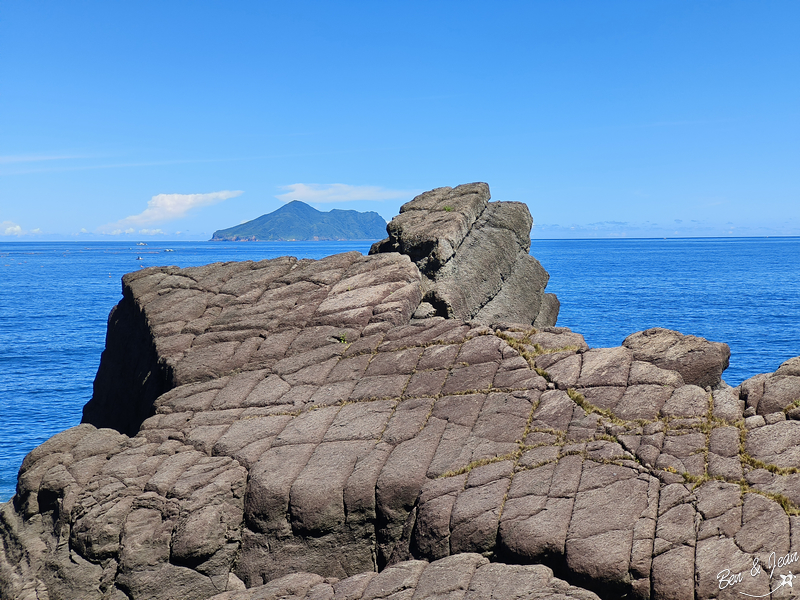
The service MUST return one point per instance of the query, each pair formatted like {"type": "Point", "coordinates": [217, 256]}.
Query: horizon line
{"type": "Point", "coordinates": [543, 239]}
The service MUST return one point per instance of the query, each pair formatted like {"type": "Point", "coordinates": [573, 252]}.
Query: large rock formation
{"type": "Point", "coordinates": [287, 429]}
{"type": "Point", "coordinates": [699, 361]}
{"type": "Point", "coordinates": [473, 256]}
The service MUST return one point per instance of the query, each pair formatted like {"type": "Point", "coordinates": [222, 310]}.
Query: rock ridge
{"type": "Point", "coordinates": [473, 256]}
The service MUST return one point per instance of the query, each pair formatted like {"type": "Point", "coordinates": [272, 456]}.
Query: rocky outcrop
{"type": "Point", "coordinates": [699, 361]}
{"type": "Point", "coordinates": [464, 576]}
{"type": "Point", "coordinates": [473, 255]}
{"type": "Point", "coordinates": [309, 437]}
{"type": "Point", "coordinates": [770, 393]}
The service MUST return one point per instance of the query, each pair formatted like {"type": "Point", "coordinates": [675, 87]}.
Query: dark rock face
{"type": "Point", "coordinates": [473, 256]}
{"type": "Point", "coordinates": [309, 438]}
{"type": "Point", "coordinates": [131, 374]}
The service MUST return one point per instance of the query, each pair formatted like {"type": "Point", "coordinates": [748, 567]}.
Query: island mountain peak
{"type": "Point", "coordinates": [297, 221]}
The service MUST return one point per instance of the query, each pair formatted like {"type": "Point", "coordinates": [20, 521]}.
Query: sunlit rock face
{"type": "Point", "coordinates": [474, 256]}
{"type": "Point", "coordinates": [294, 428]}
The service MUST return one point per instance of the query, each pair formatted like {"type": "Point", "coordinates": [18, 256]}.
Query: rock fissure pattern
{"type": "Point", "coordinates": [473, 255]}
{"type": "Point", "coordinates": [312, 433]}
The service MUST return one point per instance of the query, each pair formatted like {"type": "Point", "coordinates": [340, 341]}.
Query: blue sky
{"type": "Point", "coordinates": [639, 119]}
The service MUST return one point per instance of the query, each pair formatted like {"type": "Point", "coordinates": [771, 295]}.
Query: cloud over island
{"type": "Point", "coordinates": [163, 208]}
{"type": "Point", "coordinates": [340, 192]}
{"type": "Point", "coordinates": [11, 228]}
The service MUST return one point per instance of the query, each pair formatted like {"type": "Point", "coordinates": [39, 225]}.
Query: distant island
{"type": "Point", "coordinates": [297, 221]}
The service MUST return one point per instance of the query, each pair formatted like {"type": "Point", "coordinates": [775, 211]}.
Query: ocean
{"type": "Point", "coordinates": [55, 299]}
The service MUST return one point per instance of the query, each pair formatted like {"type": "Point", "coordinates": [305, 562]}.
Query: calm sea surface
{"type": "Point", "coordinates": [55, 299]}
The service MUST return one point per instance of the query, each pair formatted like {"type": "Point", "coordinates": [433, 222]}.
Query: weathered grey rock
{"type": "Point", "coordinates": [314, 440]}
{"type": "Point", "coordinates": [473, 255]}
{"type": "Point", "coordinates": [467, 576]}
{"type": "Point", "coordinates": [698, 361]}
{"type": "Point", "coordinates": [772, 392]}
{"type": "Point", "coordinates": [790, 367]}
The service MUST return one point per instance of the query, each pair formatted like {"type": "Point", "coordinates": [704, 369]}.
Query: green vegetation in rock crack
{"type": "Point", "coordinates": [536, 465]}
{"type": "Point", "coordinates": [619, 462]}
{"type": "Point", "coordinates": [448, 209]}
{"type": "Point", "coordinates": [707, 426]}
{"type": "Point", "coordinates": [754, 463]}
{"type": "Point", "coordinates": [530, 357]}
{"type": "Point", "coordinates": [480, 463]}
{"type": "Point", "coordinates": [468, 392]}
{"type": "Point", "coordinates": [342, 337]}
{"type": "Point", "coordinates": [605, 437]}
{"type": "Point", "coordinates": [559, 441]}
{"type": "Point", "coordinates": [528, 423]}
{"type": "Point", "coordinates": [697, 480]}
{"type": "Point", "coordinates": [549, 431]}
{"type": "Point", "coordinates": [575, 452]}
{"type": "Point", "coordinates": [791, 406]}
{"type": "Point", "coordinates": [428, 416]}
{"type": "Point", "coordinates": [408, 382]}
{"type": "Point", "coordinates": [348, 402]}
{"type": "Point", "coordinates": [386, 423]}
{"type": "Point", "coordinates": [789, 507]}
{"type": "Point", "coordinates": [681, 424]}
{"type": "Point", "coordinates": [711, 422]}
{"type": "Point", "coordinates": [517, 344]}
{"type": "Point", "coordinates": [757, 464]}
{"type": "Point", "coordinates": [578, 399]}
{"type": "Point", "coordinates": [505, 497]}
{"type": "Point", "coordinates": [422, 345]}
{"type": "Point", "coordinates": [539, 350]}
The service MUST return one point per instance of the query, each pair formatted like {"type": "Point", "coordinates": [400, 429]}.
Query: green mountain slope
{"type": "Point", "coordinates": [299, 221]}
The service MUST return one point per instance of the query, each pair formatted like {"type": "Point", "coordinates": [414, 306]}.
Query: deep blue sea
{"type": "Point", "coordinates": [55, 299]}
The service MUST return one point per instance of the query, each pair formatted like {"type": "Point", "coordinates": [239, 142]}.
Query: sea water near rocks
{"type": "Point", "coordinates": [55, 299]}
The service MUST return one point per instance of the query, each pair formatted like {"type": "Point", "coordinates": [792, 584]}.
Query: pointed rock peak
{"type": "Point", "coordinates": [474, 256]}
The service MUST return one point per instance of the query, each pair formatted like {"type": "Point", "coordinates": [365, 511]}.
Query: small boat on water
{"type": "Point", "coordinates": [169, 250]}
{"type": "Point", "coordinates": [138, 258]}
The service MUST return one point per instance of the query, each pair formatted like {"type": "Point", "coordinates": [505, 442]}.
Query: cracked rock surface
{"type": "Point", "coordinates": [286, 429]}
{"type": "Point", "coordinates": [466, 576]}
{"type": "Point", "coordinates": [473, 255]}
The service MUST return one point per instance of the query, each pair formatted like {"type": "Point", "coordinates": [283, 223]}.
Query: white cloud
{"type": "Point", "coordinates": [168, 207]}
{"type": "Point", "coordinates": [11, 228]}
{"type": "Point", "coordinates": [340, 192]}
{"type": "Point", "coordinates": [150, 232]}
